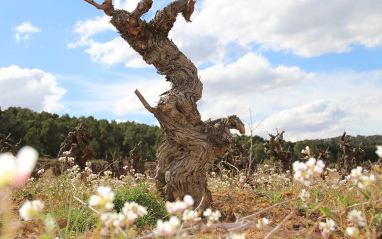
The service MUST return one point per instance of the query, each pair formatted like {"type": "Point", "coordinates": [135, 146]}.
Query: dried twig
{"type": "Point", "coordinates": [98, 6]}
{"type": "Point", "coordinates": [86, 205]}
{"type": "Point", "coordinates": [144, 102]}
{"type": "Point", "coordinates": [265, 209]}
{"type": "Point", "coordinates": [277, 228]}
{"type": "Point", "coordinates": [200, 204]}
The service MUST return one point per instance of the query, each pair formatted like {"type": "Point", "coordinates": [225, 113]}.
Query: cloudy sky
{"type": "Point", "coordinates": [310, 67]}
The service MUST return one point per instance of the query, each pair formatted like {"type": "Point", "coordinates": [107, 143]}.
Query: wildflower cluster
{"type": "Point", "coordinates": [184, 213]}
{"type": "Point", "coordinates": [356, 218]}
{"type": "Point", "coordinates": [327, 227]}
{"type": "Point", "coordinates": [66, 158]}
{"type": "Point", "coordinates": [304, 171]}
{"type": "Point", "coordinates": [361, 180]}
{"type": "Point", "coordinates": [104, 199]}
{"type": "Point", "coordinates": [179, 206]}
{"type": "Point", "coordinates": [261, 223]}
{"type": "Point", "coordinates": [212, 216]}
{"type": "Point", "coordinates": [31, 209]}
{"type": "Point", "coordinates": [167, 228]}
{"type": "Point", "coordinates": [379, 151]}
{"type": "Point", "coordinates": [306, 153]}
{"type": "Point", "coordinates": [16, 171]}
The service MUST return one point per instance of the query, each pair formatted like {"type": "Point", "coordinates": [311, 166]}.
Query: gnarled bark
{"type": "Point", "coordinates": [351, 158]}
{"type": "Point", "coordinates": [189, 142]}
{"type": "Point", "coordinates": [279, 152]}
{"type": "Point", "coordinates": [77, 143]}
{"type": "Point", "coordinates": [325, 157]}
{"type": "Point", "coordinates": [8, 145]}
{"type": "Point", "coordinates": [135, 161]}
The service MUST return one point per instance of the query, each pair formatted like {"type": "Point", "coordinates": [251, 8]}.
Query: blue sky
{"type": "Point", "coordinates": [311, 68]}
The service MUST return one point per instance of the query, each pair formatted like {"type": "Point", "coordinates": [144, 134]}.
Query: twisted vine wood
{"type": "Point", "coordinates": [189, 142]}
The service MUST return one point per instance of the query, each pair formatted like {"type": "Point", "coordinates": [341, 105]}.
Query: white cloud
{"type": "Point", "coordinates": [306, 105]}
{"type": "Point", "coordinates": [117, 97]}
{"type": "Point", "coordinates": [114, 52]}
{"type": "Point", "coordinates": [87, 29]}
{"type": "Point", "coordinates": [306, 28]}
{"type": "Point", "coordinates": [249, 74]}
{"type": "Point", "coordinates": [234, 88]}
{"type": "Point", "coordinates": [31, 88]}
{"type": "Point", "coordinates": [316, 119]}
{"type": "Point", "coordinates": [24, 31]}
{"type": "Point", "coordinates": [150, 89]}
{"type": "Point", "coordinates": [109, 52]}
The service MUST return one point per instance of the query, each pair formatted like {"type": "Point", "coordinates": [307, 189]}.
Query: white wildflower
{"type": "Point", "coordinates": [303, 171]}
{"type": "Point", "coordinates": [304, 195]}
{"type": "Point", "coordinates": [88, 170]}
{"type": "Point", "coordinates": [139, 176]}
{"type": "Point", "coordinates": [320, 165]}
{"type": "Point", "coordinates": [188, 200]}
{"type": "Point", "coordinates": [379, 151]}
{"type": "Point", "coordinates": [353, 232]}
{"type": "Point", "coordinates": [366, 181]}
{"type": "Point", "coordinates": [92, 177]}
{"type": "Point", "coordinates": [16, 171]}
{"type": "Point", "coordinates": [104, 199]}
{"type": "Point", "coordinates": [135, 208]}
{"type": "Point", "coordinates": [88, 164]}
{"type": "Point", "coordinates": [190, 215]}
{"type": "Point", "coordinates": [212, 216]}
{"type": "Point", "coordinates": [356, 173]}
{"type": "Point", "coordinates": [306, 150]}
{"type": "Point", "coordinates": [70, 160]}
{"type": "Point", "coordinates": [167, 228]}
{"type": "Point", "coordinates": [7, 168]}
{"type": "Point", "coordinates": [355, 216]}
{"type": "Point", "coordinates": [130, 216]}
{"type": "Point", "coordinates": [31, 209]}
{"type": "Point", "coordinates": [238, 236]}
{"type": "Point", "coordinates": [207, 212]}
{"type": "Point", "coordinates": [41, 171]}
{"type": "Point", "coordinates": [108, 218]}
{"type": "Point", "coordinates": [242, 179]}
{"type": "Point", "coordinates": [327, 226]}
{"type": "Point", "coordinates": [179, 206]}
{"type": "Point", "coordinates": [261, 223]}
{"type": "Point", "coordinates": [31, 179]}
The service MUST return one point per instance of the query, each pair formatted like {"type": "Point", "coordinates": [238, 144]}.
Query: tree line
{"type": "Point", "coordinates": [369, 144]}
{"type": "Point", "coordinates": [46, 131]}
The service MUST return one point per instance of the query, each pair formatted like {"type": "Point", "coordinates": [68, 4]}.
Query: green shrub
{"type": "Point", "coordinates": [153, 203]}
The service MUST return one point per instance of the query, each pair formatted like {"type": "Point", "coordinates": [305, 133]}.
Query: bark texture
{"type": "Point", "coordinates": [189, 142]}
{"type": "Point", "coordinates": [279, 152]}
{"type": "Point", "coordinates": [77, 143]}
{"type": "Point", "coordinates": [135, 161]}
{"type": "Point", "coordinates": [8, 145]}
{"type": "Point", "coordinates": [325, 157]}
{"type": "Point", "coordinates": [351, 158]}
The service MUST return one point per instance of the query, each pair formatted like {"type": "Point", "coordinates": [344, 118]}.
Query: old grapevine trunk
{"type": "Point", "coordinates": [189, 142]}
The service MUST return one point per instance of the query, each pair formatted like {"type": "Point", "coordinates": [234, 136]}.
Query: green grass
{"type": "Point", "coordinates": [153, 203]}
